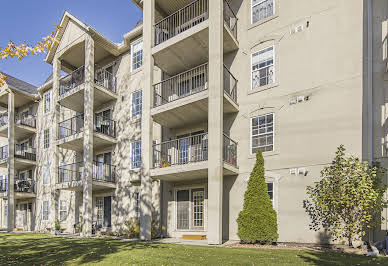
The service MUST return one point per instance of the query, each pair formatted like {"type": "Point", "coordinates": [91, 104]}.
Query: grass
{"type": "Point", "coordinates": [39, 249]}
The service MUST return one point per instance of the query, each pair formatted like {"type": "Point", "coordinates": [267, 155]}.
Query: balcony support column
{"type": "Point", "coordinates": [88, 137]}
{"type": "Point", "coordinates": [11, 162]}
{"type": "Point", "coordinates": [54, 148]}
{"type": "Point", "coordinates": [215, 116]}
{"type": "Point", "coordinates": [147, 122]}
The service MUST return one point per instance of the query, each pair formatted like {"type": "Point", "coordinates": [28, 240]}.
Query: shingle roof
{"type": "Point", "coordinates": [20, 84]}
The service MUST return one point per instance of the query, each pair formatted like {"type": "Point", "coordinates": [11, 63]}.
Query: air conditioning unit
{"type": "Point", "coordinates": [302, 171]}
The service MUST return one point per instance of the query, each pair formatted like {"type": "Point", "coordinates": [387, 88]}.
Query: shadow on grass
{"type": "Point", "coordinates": [46, 250]}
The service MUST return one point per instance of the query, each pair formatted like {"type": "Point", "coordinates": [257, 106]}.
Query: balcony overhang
{"type": "Point", "coordinates": [4, 163]}
{"type": "Point", "coordinates": [21, 164]}
{"type": "Point", "coordinates": [74, 99]}
{"type": "Point", "coordinates": [175, 114]}
{"type": "Point", "coordinates": [78, 186]}
{"type": "Point", "coordinates": [189, 172]}
{"type": "Point", "coordinates": [21, 98]}
{"type": "Point", "coordinates": [76, 142]}
{"type": "Point", "coordinates": [21, 131]}
{"type": "Point", "coordinates": [102, 141]}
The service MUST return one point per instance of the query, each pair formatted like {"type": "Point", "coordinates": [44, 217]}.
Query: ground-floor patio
{"type": "Point", "coordinates": [39, 249]}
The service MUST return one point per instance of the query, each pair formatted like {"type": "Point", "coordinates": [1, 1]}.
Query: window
{"type": "Point", "coordinates": [263, 70]}
{"type": "Point", "coordinates": [262, 9]}
{"type": "Point", "coordinates": [137, 55]}
{"type": "Point", "coordinates": [6, 210]}
{"type": "Point", "coordinates": [136, 154]}
{"type": "Point", "coordinates": [46, 139]}
{"type": "Point", "coordinates": [136, 196]}
{"type": "Point", "coordinates": [270, 191]}
{"type": "Point", "coordinates": [100, 211]}
{"type": "Point", "coordinates": [47, 102]}
{"type": "Point", "coordinates": [62, 210]}
{"type": "Point", "coordinates": [3, 183]}
{"type": "Point", "coordinates": [262, 133]}
{"type": "Point", "coordinates": [45, 211]}
{"type": "Point", "coordinates": [46, 174]}
{"type": "Point", "coordinates": [136, 103]}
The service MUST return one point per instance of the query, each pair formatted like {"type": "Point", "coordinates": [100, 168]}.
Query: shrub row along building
{"type": "Point", "coordinates": [164, 126]}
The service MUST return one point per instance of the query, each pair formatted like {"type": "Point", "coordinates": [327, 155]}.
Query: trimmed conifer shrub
{"type": "Point", "coordinates": [257, 222]}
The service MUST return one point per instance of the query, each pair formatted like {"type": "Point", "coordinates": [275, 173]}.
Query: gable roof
{"type": "Point", "coordinates": [15, 83]}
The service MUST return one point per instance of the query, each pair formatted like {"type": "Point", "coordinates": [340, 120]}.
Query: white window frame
{"type": "Point", "coordinates": [100, 216]}
{"type": "Point", "coordinates": [47, 102]}
{"type": "Point", "coordinates": [142, 61]}
{"type": "Point", "coordinates": [274, 68]}
{"type": "Point", "coordinates": [46, 138]}
{"type": "Point", "coordinates": [132, 155]}
{"type": "Point", "coordinates": [62, 210]}
{"type": "Point", "coordinates": [44, 218]}
{"type": "Point", "coordinates": [133, 116]}
{"type": "Point", "coordinates": [46, 173]}
{"type": "Point", "coordinates": [259, 3]}
{"type": "Point", "coordinates": [273, 191]}
{"type": "Point", "coordinates": [251, 131]}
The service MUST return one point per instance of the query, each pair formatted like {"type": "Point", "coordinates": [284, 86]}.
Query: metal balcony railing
{"type": "Point", "coordinates": [182, 20]}
{"type": "Point", "coordinates": [230, 18]}
{"type": "Point", "coordinates": [4, 119]}
{"type": "Point", "coordinates": [71, 126]}
{"type": "Point", "coordinates": [25, 152]}
{"type": "Point", "coordinates": [70, 172]}
{"type": "Point", "coordinates": [103, 172]}
{"type": "Point", "coordinates": [72, 81]}
{"type": "Point", "coordinates": [4, 152]}
{"type": "Point", "coordinates": [182, 85]}
{"type": "Point", "coordinates": [229, 151]}
{"type": "Point", "coordinates": [21, 185]}
{"type": "Point", "coordinates": [230, 84]}
{"type": "Point", "coordinates": [105, 126]}
{"type": "Point", "coordinates": [105, 79]}
{"type": "Point", "coordinates": [29, 121]}
{"type": "Point", "coordinates": [181, 151]}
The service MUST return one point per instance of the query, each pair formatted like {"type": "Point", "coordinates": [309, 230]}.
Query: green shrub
{"type": "Point", "coordinates": [133, 228]}
{"type": "Point", "coordinates": [257, 222]}
{"type": "Point", "coordinates": [57, 225]}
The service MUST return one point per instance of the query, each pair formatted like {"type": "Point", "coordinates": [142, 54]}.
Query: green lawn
{"type": "Point", "coordinates": [29, 249]}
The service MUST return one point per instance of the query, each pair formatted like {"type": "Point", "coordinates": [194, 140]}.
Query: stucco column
{"type": "Point", "coordinates": [11, 162]}
{"type": "Point", "coordinates": [147, 122]}
{"type": "Point", "coordinates": [215, 162]}
{"type": "Point", "coordinates": [54, 147]}
{"type": "Point", "coordinates": [88, 137]}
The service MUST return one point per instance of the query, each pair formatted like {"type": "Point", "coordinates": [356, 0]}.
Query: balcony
{"type": "Point", "coordinates": [25, 126]}
{"type": "Point", "coordinates": [24, 189]}
{"type": "Point", "coordinates": [71, 176]}
{"type": "Point", "coordinates": [187, 158]}
{"type": "Point", "coordinates": [25, 157]}
{"type": "Point", "coordinates": [70, 133]}
{"type": "Point", "coordinates": [182, 38]}
{"type": "Point", "coordinates": [71, 92]}
{"type": "Point", "coordinates": [187, 93]}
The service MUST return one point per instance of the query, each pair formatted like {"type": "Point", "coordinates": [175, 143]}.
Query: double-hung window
{"type": "Point", "coordinates": [136, 196]}
{"type": "Point", "coordinates": [136, 104]}
{"type": "Point", "coordinates": [262, 133]}
{"type": "Point", "coordinates": [47, 102]}
{"type": "Point", "coordinates": [62, 210]}
{"type": "Point", "coordinates": [270, 191]}
{"type": "Point", "coordinates": [136, 154]}
{"type": "Point", "coordinates": [46, 174]}
{"type": "Point", "coordinates": [262, 9]}
{"type": "Point", "coordinates": [46, 138]}
{"type": "Point", "coordinates": [45, 211]}
{"type": "Point", "coordinates": [137, 55]}
{"type": "Point", "coordinates": [263, 68]}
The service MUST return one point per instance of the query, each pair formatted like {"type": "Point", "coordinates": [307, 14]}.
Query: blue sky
{"type": "Point", "coordinates": [31, 20]}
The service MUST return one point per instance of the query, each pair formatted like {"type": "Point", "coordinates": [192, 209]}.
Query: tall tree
{"type": "Point", "coordinates": [257, 222]}
{"type": "Point", "coordinates": [349, 198]}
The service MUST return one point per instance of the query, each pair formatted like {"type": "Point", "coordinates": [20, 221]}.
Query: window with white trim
{"type": "Point", "coordinates": [6, 210]}
{"type": "Point", "coordinates": [136, 196]}
{"type": "Point", "coordinates": [270, 191]}
{"type": "Point", "coordinates": [100, 211]}
{"type": "Point", "coordinates": [263, 68]}
{"type": "Point", "coordinates": [46, 138]}
{"type": "Point", "coordinates": [136, 103]}
{"type": "Point", "coordinates": [62, 210]}
{"type": "Point", "coordinates": [136, 154]}
{"type": "Point", "coordinates": [262, 133]}
{"type": "Point", "coordinates": [45, 210]}
{"type": "Point", "coordinates": [46, 174]}
{"type": "Point", "coordinates": [262, 9]}
{"type": "Point", "coordinates": [47, 102]}
{"type": "Point", "coordinates": [136, 55]}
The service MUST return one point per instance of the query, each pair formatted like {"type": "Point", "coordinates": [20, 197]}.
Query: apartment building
{"type": "Point", "coordinates": [165, 125]}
